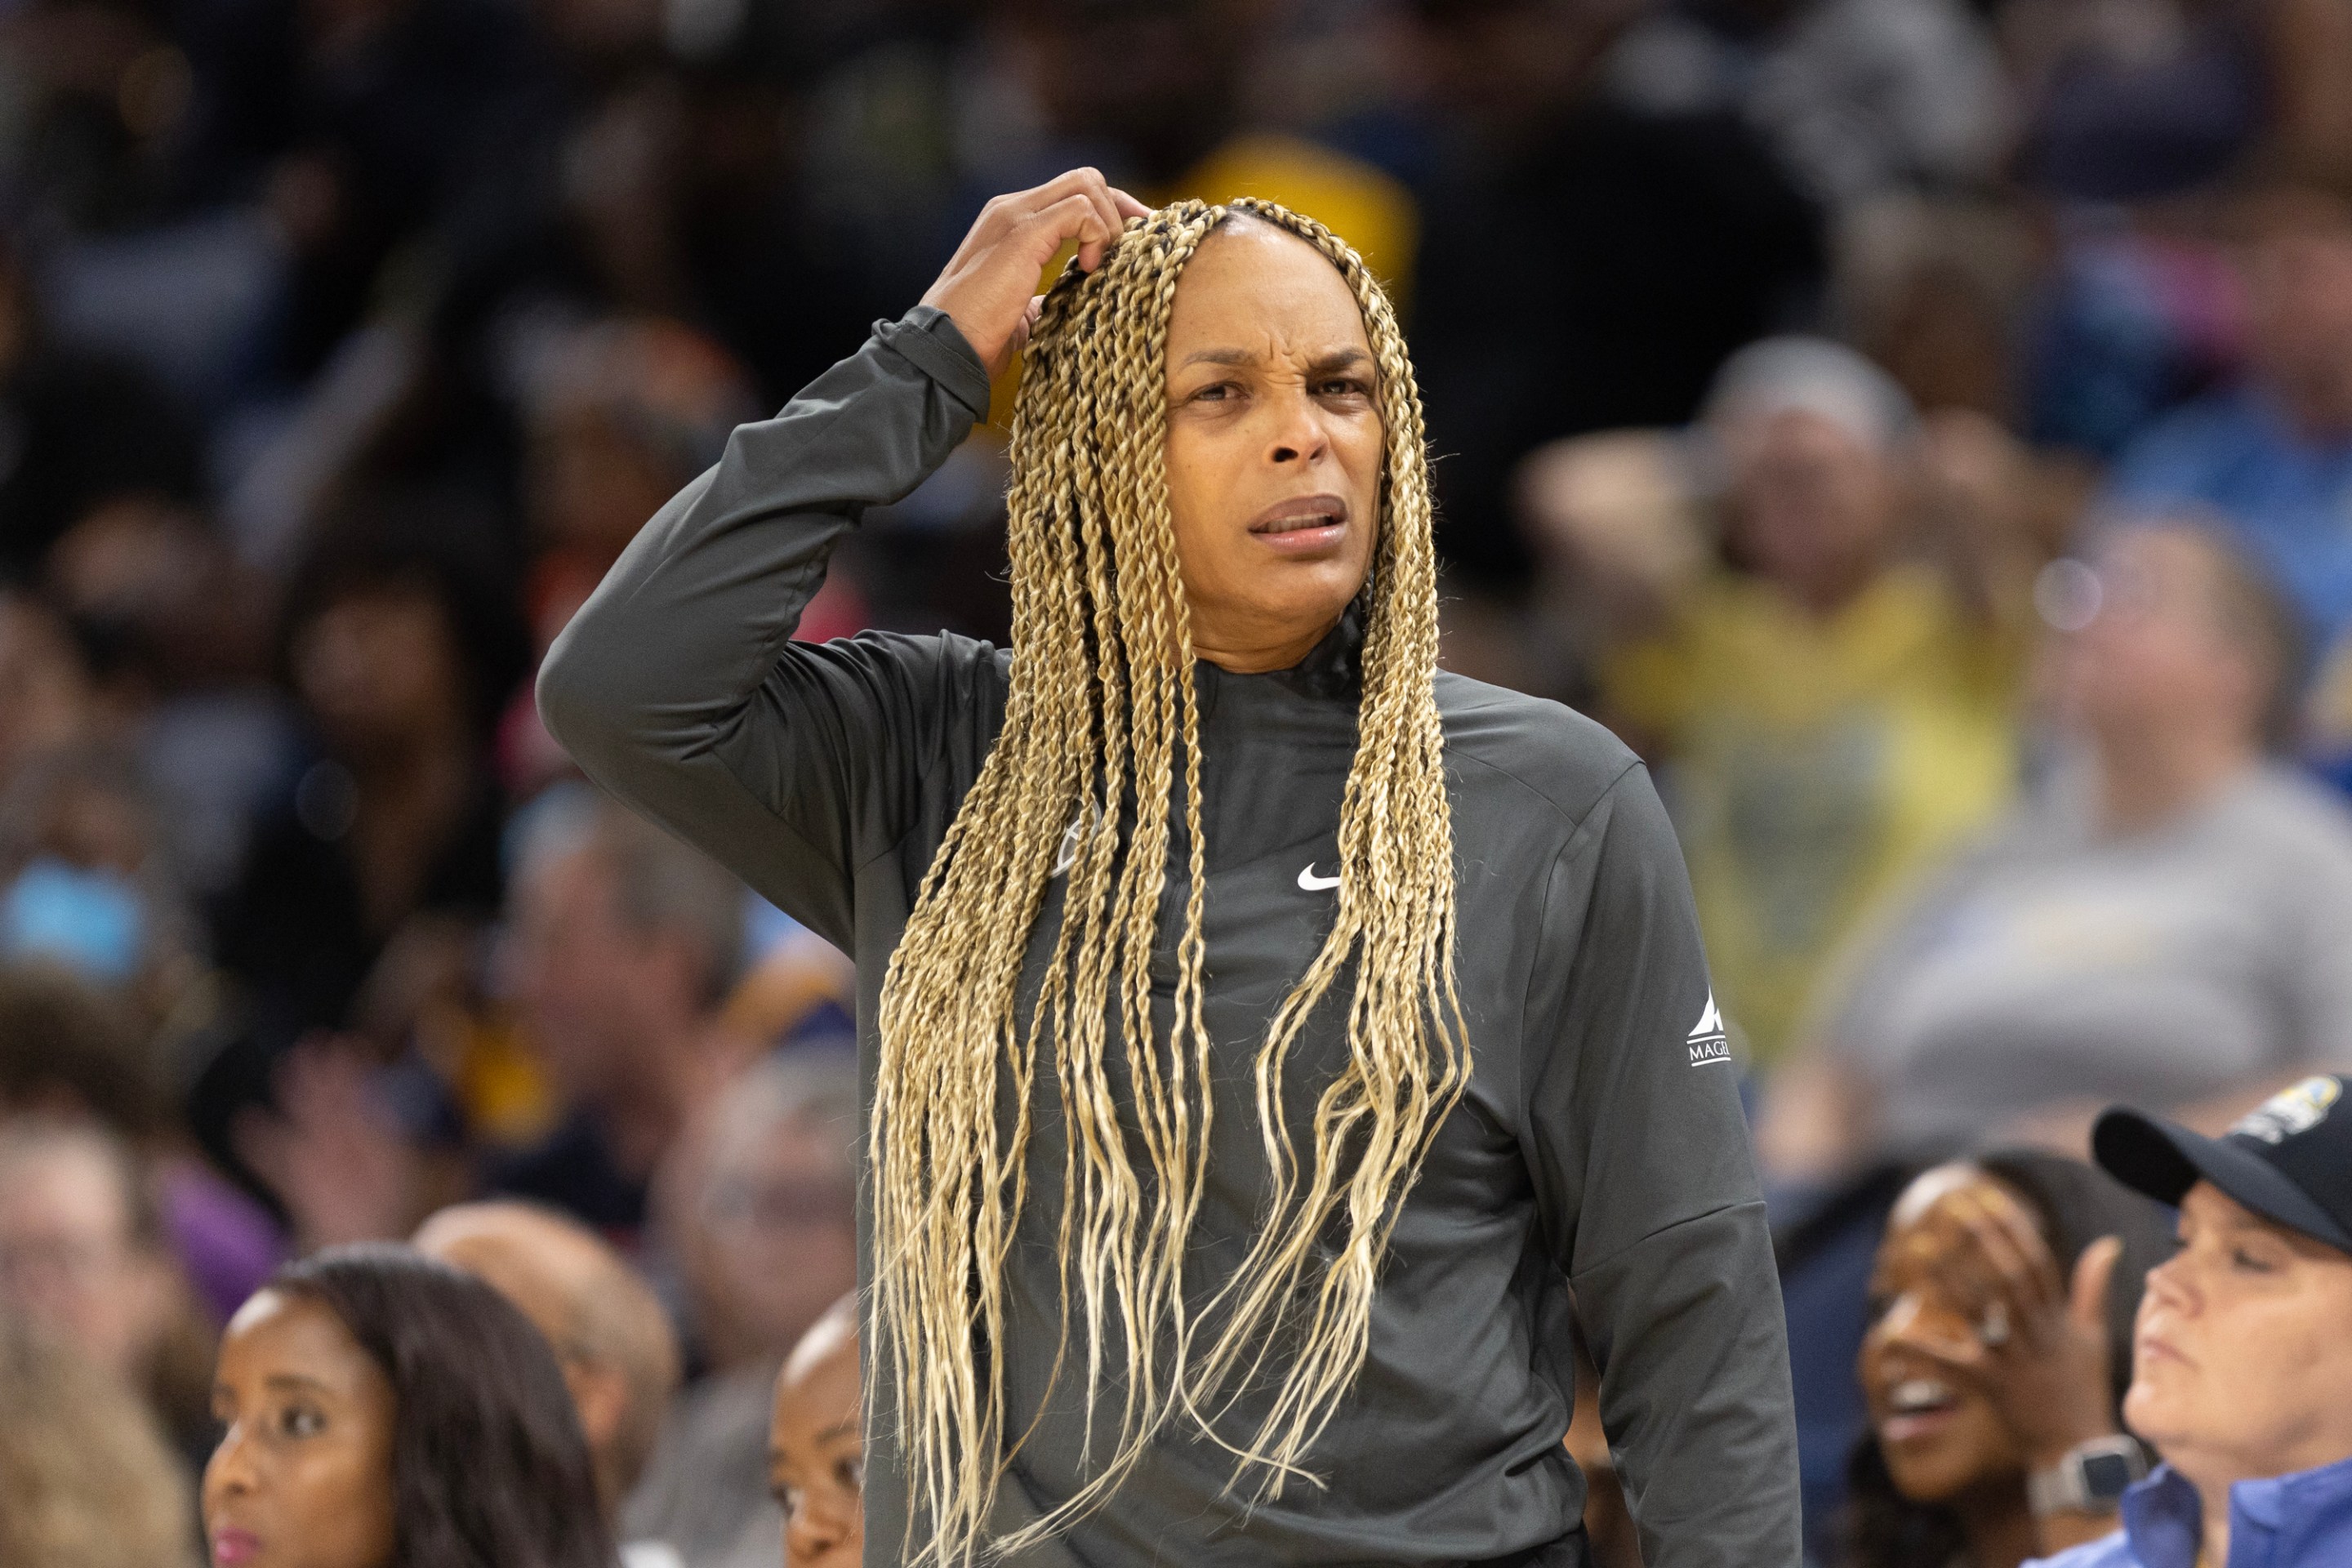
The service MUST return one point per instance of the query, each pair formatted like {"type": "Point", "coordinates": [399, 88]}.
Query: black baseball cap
{"type": "Point", "coordinates": [2290, 1160]}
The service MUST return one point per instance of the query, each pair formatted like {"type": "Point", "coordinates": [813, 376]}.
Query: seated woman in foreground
{"type": "Point", "coordinates": [2242, 1367]}
{"type": "Point", "coordinates": [816, 1445]}
{"type": "Point", "coordinates": [1999, 1350]}
{"type": "Point", "coordinates": [383, 1410]}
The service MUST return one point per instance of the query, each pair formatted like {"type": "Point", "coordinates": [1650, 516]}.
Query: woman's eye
{"type": "Point", "coordinates": [851, 1473]}
{"type": "Point", "coordinates": [301, 1421]}
{"type": "Point", "coordinates": [1217, 394]}
{"type": "Point", "coordinates": [1345, 388]}
{"type": "Point", "coordinates": [2249, 1262]}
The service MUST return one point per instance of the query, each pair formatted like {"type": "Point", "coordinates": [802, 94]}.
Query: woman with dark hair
{"type": "Point", "coordinates": [1997, 1358]}
{"type": "Point", "coordinates": [384, 1410]}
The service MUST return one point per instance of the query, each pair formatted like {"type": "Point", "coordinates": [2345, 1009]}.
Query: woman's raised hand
{"type": "Point", "coordinates": [2042, 1349]}
{"type": "Point", "coordinates": [989, 287]}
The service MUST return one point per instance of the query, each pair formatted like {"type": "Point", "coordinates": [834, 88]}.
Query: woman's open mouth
{"type": "Point", "coordinates": [1307, 525]}
{"type": "Point", "coordinates": [1917, 1408]}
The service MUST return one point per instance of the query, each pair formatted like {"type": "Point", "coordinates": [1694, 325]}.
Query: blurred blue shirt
{"type": "Point", "coordinates": [2300, 1521]}
{"type": "Point", "coordinates": [2287, 499]}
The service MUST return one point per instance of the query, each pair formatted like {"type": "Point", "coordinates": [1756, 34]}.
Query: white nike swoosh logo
{"type": "Point", "coordinates": [1309, 882]}
{"type": "Point", "coordinates": [1067, 855]}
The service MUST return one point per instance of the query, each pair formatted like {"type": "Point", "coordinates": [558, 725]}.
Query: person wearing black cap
{"type": "Point", "coordinates": [2243, 1354]}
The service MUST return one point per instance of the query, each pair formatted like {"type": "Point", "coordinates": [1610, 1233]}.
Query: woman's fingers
{"type": "Point", "coordinates": [1028, 322]}
{"type": "Point", "coordinates": [1988, 1267]}
{"type": "Point", "coordinates": [1079, 215]}
{"type": "Point", "coordinates": [2014, 1258]}
{"type": "Point", "coordinates": [2028, 1248]}
{"type": "Point", "coordinates": [988, 284]}
{"type": "Point", "coordinates": [1050, 203]}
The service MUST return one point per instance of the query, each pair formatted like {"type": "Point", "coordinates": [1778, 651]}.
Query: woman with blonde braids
{"type": "Point", "coordinates": [1269, 1040]}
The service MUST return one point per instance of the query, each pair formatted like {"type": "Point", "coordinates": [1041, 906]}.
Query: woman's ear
{"type": "Point", "coordinates": [601, 1392]}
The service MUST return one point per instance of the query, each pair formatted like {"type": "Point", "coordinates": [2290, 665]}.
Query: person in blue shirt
{"type": "Point", "coordinates": [2242, 1350]}
{"type": "Point", "coordinates": [2272, 455]}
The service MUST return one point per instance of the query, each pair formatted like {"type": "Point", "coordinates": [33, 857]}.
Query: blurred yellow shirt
{"type": "Point", "coordinates": [1815, 766]}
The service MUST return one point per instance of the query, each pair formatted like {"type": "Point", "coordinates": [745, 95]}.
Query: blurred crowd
{"type": "Point", "coordinates": [1922, 428]}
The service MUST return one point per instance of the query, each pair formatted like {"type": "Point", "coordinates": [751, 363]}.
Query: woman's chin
{"type": "Point", "coordinates": [1933, 1460]}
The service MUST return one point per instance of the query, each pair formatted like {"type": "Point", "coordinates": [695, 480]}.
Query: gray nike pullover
{"type": "Point", "coordinates": [1599, 1164]}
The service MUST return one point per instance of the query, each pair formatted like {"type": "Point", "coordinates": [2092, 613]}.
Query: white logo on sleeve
{"type": "Point", "coordinates": [1308, 882]}
{"type": "Point", "coordinates": [1707, 1042]}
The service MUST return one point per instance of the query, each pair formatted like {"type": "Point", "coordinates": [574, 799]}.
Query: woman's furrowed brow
{"type": "Point", "coordinates": [1219, 356]}
{"type": "Point", "coordinates": [1324, 364]}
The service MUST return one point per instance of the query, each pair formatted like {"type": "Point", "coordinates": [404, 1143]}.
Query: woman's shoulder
{"type": "Point", "coordinates": [1497, 737]}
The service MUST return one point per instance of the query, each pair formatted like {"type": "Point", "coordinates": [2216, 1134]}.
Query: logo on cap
{"type": "Point", "coordinates": [2293, 1111]}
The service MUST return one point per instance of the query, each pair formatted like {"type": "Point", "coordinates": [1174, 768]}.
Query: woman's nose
{"type": "Point", "coordinates": [812, 1530]}
{"type": "Point", "coordinates": [2170, 1285]}
{"type": "Point", "coordinates": [1298, 434]}
{"type": "Point", "coordinates": [229, 1472]}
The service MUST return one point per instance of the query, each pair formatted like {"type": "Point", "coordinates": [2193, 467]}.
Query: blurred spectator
{"type": "Point", "coordinates": [1831, 718]}
{"type": "Point", "coordinates": [92, 882]}
{"type": "Point", "coordinates": [797, 988]}
{"type": "Point", "coordinates": [2132, 318]}
{"type": "Point", "coordinates": [2273, 456]}
{"type": "Point", "coordinates": [366, 127]}
{"type": "Point", "coordinates": [388, 856]}
{"type": "Point", "coordinates": [622, 945]}
{"type": "Point", "coordinates": [816, 1448]}
{"type": "Point", "coordinates": [383, 1408]}
{"type": "Point", "coordinates": [759, 1208]}
{"type": "Point", "coordinates": [1860, 98]}
{"type": "Point", "coordinates": [48, 700]}
{"type": "Point", "coordinates": [68, 1051]}
{"type": "Point", "coordinates": [86, 1480]}
{"type": "Point", "coordinates": [176, 627]}
{"type": "Point", "coordinates": [757, 1203]}
{"type": "Point", "coordinates": [1156, 94]}
{"type": "Point", "coordinates": [83, 1259]}
{"type": "Point", "coordinates": [2170, 918]}
{"type": "Point", "coordinates": [2129, 100]}
{"type": "Point", "coordinates": [608, 1331]}
{"type": "Point", "coordinates": [701, 192]}
{"type": "Point", "coordinates": [2241, 1378]}
{"type": "Point", "coordinates": [1614, 523]}
{"type": "Point", "coordinates": [73, 432]}
{"type": "Point", "coordinates": [1930, 289]}
{"type": "Point", "coordinates": [1584, 266]}
{"type": "Point", "coordinates": [2000, 1339]}
{"type": "Point", "coordinates": [620, 415]}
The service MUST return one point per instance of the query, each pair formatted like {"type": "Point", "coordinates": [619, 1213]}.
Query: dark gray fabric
{"type": "Point", "coordinates": [1600, 1145]}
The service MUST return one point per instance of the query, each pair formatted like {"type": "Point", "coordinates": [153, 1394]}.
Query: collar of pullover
{"type": "Point", "coordinates": [1332, 670]}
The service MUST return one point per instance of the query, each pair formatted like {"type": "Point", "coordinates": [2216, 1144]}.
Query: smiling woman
{"type": "Point", "coordinates": [1220, 1208]}
{"type": "Point", "coordinates": [1999, 1343]}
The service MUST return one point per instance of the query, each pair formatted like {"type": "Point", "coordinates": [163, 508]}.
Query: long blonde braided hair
{"type": "Point", "coordinates": [1099, 716]}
